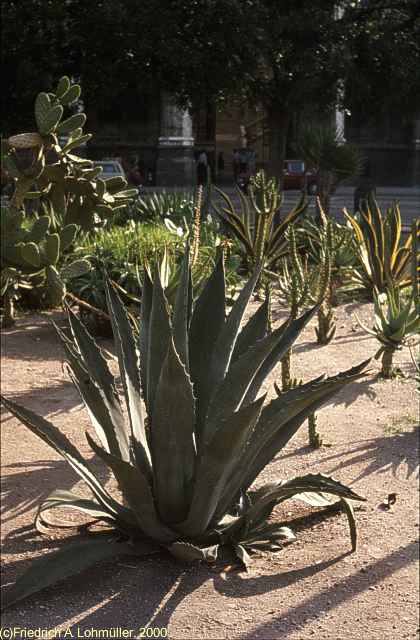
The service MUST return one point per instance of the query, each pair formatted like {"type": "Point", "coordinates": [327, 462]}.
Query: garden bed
{"type": "Point", "coordinates": [313, 588]}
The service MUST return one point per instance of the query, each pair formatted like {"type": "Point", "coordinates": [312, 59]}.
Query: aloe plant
{"type": "Point", "coordinates": [383, 258]}
{"type": "Point", "coordinates": [397, 318]}
{"type": "Point", "coordinates": [197, 433]}
{"type": "Point", "coordinates": [260, 235]}
{"type": "Point", "coordinates": [396, 321]}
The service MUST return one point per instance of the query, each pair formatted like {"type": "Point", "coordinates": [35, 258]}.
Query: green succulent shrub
{"type": "Point", "coordinates": [256, 228]}
{"type": "Point", "coordinates": [122, 252]}
{"type": "Point", "coordinates": [198, 432]}
{"type": "Point", "coordinates": [302, 283]}
{"type": "Point", "coordinates": [396, 321]}
{"type": "Point", "coordinates": [177, 206]}
{"type": "Point", "coordinates": [383, 259]}
{"type": "Point", "coordinates": [31, 253]}
{"type": "Point", "coordinates": [397, 317]}
{"type": "Point", "coordinates": [65, 191]}
{"type": "Point", "coordinates": [44, 167]}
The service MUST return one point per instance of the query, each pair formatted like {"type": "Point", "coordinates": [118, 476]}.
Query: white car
{"type": "Point", "coordinates": [110, 169]}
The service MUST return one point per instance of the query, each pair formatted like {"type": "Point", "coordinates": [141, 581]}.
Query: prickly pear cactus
{"type": "Point", "coordinates": [29, 258]}
{"type": "Point", "coordinates": [45, 168]}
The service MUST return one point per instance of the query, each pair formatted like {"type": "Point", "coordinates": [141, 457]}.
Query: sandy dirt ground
{"type": "Point", "coordinates": [314, 588]}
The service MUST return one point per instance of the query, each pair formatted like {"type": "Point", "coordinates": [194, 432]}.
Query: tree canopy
{"type": "Point", "coordinates": [288, 55]}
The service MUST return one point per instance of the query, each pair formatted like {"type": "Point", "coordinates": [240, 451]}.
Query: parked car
{"type": "Point", "coordinates": [296, 176]}
{"type": "Point", "coordinates": [110, 168]}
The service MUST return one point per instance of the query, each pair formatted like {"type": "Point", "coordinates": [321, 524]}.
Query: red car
{"type": "Point", "coordinates": [296, 176]}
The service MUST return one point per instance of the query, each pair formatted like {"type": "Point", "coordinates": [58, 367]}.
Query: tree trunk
{"type": "Point", "coordinates": [278, 124]}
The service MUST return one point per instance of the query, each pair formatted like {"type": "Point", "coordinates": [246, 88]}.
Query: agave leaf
{"type": "Point", "coordinates": [112, 435]}
{"type": "Point", "coordinates": [159, 336]}
{"type": "Point", "coordinates": [315, 499]}
{"type": "Point", "coordinates": [183, 310]}
{"type": "Point", "coordinates": [187, 552]}
{"type": "Point", "coordinates": [286, 490]}
{"type": "Point", "coordinates": [226, 341]}
{"type": "Point", "coordinates": [243, 556]}
{"type": "Point", "coordinates": [70, 500]}
{"type": "Point", "coordinates": [365, 327]}
{"type": "Point", "coordinates": [207, 321]}
{"type": "Point", "coordinates": [278, 423]}
{"type": "Point", "coordinates": [253, 331]}
{"type": "Point", "coordinates": [219, 458]}
{"type": "Point", "coordinates": [145, 310]}
{"type": "Point", "coordinates": [394, 236]}
{"type": "Point", "coordinates": [272, 532]}
{"type": "Point", "coordinates": [172, 440]}
{"type": "Point", "coordinates": [378, 226]}
{"type": "Point", "coordinates": [277, 236]}
{"type": "Point", "coordinates": [349, 511]}
{"type": "Point", "coordinates": [129, 369]}
{"type": "Point", "coordinates": [137, 492]}
{"type": "Point", "coordinates": [68, 561]}
{"type": "Point", "coordinates": [52, 436]}
{"type": "Point", "coordinates": [291, 332]}
{"type": "Point", "coordinates": [231, 393]}
{"type": "Point", "coordinates": [98, 370]}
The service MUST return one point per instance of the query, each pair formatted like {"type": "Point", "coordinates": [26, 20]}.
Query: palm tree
{"type": "Point", "coordinates": [322, 148]}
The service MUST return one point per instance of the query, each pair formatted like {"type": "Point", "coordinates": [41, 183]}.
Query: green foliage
{"type": "Point", "coordinates": [260, 236]}
{"type": "Point", "coordinates": [44, 168]}
{"type": "Point", "coordinates": [396, 321]}
{"type": "Point", "coordinates": [383, 259]}
{"type": "Point", "coordinates": [67, 193]}
{"type": "Point", "coordinates": [177, 206]}
{"type": "Point", "coordinates": [30, 255]}
{"type": "Point", "coordinates": [333, 160]}
{"type": "Point", "coordinates": [186, 459]}
{"type": "Point", "coordinates": [123, 252]}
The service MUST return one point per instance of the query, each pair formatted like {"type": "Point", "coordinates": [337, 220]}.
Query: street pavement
{"type": "Point", "coordinates": [407, 197]}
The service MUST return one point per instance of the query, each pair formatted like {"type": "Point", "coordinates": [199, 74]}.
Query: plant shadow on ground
{"type": "Point", "coordinates": [31, 483]}
{"type": "Point", "coordinates": [58, 397]}
{"type": "Point", "coordinates": [132, 594]}
{"type": "Point", "coordinates": [381, 454]}
{"type": "Point", "coordinates": [156, 585]}
{"type": "Point", "coordinates": [36, 334]}
{"type": "Point", "coordinates": [331, 597]}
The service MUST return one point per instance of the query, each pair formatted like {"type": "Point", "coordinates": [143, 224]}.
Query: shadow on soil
{"type": "Point", "coordinates": [133, 594]}
{"type": "Point", "coordinates": [381, 454]}
{"type": "Point", "coordinates": [30, 483]}
{"type": "Point", "coordinates": [334, 596]}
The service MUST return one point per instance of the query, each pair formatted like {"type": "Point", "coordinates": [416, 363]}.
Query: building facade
{"type": "Point", "coordinates": [164, 142]}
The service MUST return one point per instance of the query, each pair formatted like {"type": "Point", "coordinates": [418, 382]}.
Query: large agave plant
{"type": "Point", "coordinates": [198, 433]}
{"type": "Point", "coordinates": [384, 260]}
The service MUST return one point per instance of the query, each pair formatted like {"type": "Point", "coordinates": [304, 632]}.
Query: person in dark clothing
{"type": "Point", "coordinates": [220, 164]}
{"type": "Point", "coordinates": [202, 168]}
{"type": "Point", "coordinates": [365, 187]}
